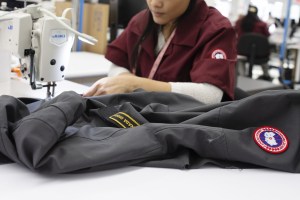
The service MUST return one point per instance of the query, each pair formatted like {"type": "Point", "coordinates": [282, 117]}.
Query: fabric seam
{"type": "Point", "coordinates": [4, 145]}
{"type": "Point", "coordinates": [220, 125]}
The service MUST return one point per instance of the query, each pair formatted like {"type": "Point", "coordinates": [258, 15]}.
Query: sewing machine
{"type": "Point", "coordinates": [41, 41]}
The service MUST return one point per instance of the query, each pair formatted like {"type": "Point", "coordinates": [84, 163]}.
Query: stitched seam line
{"type": "Point", "coordinates": [3, 144]}
{"type": "Point", "coordinates": [72, 168]}
{"type": "Point", "coordinates": [66, 119]}
{"type": "Point", "coordinates": [226, 145]}
{"type": "Point", "coordinates": [46, 122]}
{"type": "Point", "coordinates": [102, 138]}
{"type": "Point", "coordinates": [220, 125]}
{"type": "Point", "coordinates": [148, 151]}
{"type": "Point", "coordinates": [40, 121]}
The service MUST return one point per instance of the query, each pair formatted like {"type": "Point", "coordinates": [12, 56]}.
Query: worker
{"type": "Point", "coordinates": [180, 46]}
{"type": "Point", "coordinates": [252, 24]}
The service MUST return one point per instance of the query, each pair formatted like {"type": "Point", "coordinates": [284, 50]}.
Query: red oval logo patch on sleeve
{"type": "Point", "coordinates": [271, 140]}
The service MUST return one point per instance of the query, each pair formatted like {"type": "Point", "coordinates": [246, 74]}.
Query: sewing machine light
{"type": "Point", "coordinates": [88, 39]}
{"type": "Point", "coordinates": [83, 37]}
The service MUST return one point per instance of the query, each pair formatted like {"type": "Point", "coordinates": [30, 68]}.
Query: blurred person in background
{"type": "Point", "coordinates": [251, 23]}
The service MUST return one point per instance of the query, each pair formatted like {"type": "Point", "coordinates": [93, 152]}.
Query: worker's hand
{"type": "Point", "coordinates": [112, 85]}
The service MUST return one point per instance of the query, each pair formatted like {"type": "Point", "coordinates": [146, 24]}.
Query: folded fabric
{"type": "Point", "coordinates": [71, 133]}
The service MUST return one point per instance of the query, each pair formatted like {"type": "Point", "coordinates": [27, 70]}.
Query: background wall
{"type": "Point", "coordinates": [277, 8]}
{"type": "Point", "coordinates": [233, 8]}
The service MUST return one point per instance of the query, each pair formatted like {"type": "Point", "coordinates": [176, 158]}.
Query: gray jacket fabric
{"type": "Point", "coordinates": [72, 134]}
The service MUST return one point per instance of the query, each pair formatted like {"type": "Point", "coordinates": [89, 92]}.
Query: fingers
{"type": "Point", "coordinates": [94, 90]}
{"type": "Point", "coordinates": [108, 85]}
{"type": "Point", "coordinates": [90, 92]}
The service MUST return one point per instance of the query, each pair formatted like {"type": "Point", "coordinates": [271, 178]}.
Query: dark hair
{"type": "Point", "coordinates": [247, 23]}
{"type": "Point", "coordinates": [151, 26]}
{"type": "Point", "coordinates": [252, 9]}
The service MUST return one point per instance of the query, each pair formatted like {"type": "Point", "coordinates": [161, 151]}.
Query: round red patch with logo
{"type": "Point", "coordinates": [271, 140]}
{"type": "Point", "coordinates": [218, 54]}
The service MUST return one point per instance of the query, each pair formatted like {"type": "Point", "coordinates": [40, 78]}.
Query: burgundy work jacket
{"type": "Point", "coordinates": [203, 49]}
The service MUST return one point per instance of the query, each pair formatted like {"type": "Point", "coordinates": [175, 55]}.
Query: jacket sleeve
{"type": "Point", "coordinates": [208, 67]}
{"type": "Point", "coordinates": [37, 133]}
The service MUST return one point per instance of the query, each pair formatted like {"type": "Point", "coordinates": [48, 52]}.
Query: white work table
{"type": "Point", "coordinates": [20, 88]}
{"type": "Point", "coordinates": [86, 67]}
{"type": "Point", "coordinates": [86, 64]}
{"type": "Point", "coordinates": [137, 183]}
{"type": "Point", "coordinates": [252, 86]}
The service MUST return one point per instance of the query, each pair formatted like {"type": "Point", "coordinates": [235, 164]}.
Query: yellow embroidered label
{"type": "Point", "coordinates": [124, 120]}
